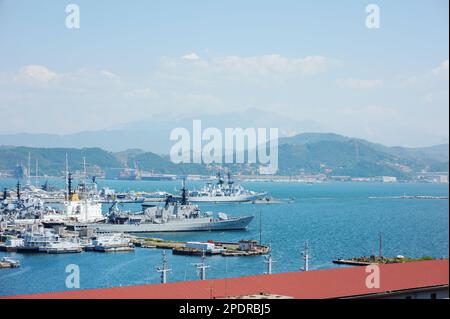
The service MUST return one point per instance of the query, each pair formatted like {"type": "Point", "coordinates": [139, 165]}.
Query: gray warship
{"type": "Point", "coordinates": [176, 215]}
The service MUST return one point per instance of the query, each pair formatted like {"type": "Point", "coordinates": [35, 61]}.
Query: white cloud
{"type": "Point", "coordinates": [272, 64]}
{"type": "Point", "coordinates": [443, 68]}
{"type": "Point", "coordinates": [35, 73]}
{"type": "Point", "coordinates": [408, 81]}
{"type": "Point", "coordinates": [301, 87]}
{"type": "Point", "coordinates": [50, 99]}
{"type": "Point", "coordinates": [359, 84]}
{"type": "Point", "coordinates": [108, 73]}
{"type": "Point", "coordinates": [436, 75]}
{"type": "Point", "coordinates": [191, 56]}
{"type": "Point", "coordinates": [40, 76]}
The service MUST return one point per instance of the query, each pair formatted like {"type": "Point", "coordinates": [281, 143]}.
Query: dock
{"type": "Point", "coordinates": [251, 248]}
{"type": "Point", "coordinates": [144, 242]}
{"type": "Point", "coordinates": [19, 249]}
{"type": "Point", "coordinates": [225, 249]}
{"type": "Point", "coordinates": [365, 261]}
{"type": "Point", "coordinates": [352, 262]}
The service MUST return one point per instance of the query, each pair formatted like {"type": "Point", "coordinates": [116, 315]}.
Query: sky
{"type": "Point", "coordinates": [309, 61]}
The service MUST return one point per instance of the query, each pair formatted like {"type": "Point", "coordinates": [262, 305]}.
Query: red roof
{"type": "Point", "coordinates": [329, 283]}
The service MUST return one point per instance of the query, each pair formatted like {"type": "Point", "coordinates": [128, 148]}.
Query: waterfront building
{"type": "Point", "coordinates": [412, 280]}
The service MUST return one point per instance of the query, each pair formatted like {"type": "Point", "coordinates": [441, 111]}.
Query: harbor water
{"type": "Point", "coordinates": [337, 219]}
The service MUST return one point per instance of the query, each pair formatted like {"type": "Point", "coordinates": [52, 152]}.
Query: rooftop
{"type": "Point", "coordinates": [328, 283]}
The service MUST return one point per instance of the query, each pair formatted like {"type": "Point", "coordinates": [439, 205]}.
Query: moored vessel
{"type": "Point", "coordinates": [224, 192]}
{"type": "Point", "coordinates": [177, 215]}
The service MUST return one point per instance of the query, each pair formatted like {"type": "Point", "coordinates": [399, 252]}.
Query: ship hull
{"type": "Point", "coordinates": [225, 199]}
{"type": "Point", "coordinates": [60, 250]}
{"type": "Point", "coordinates": [199, 224]}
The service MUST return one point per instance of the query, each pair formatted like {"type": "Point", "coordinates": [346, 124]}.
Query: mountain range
{"type": "Point", "coordinates": [153, 134]}
{"type": "Point", "coordinates": [314, 153]}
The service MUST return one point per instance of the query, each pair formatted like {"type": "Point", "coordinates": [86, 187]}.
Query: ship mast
{"type": "Point", "coordinates": [230, 181]}
{"type": "Point", "coordinates": [37, 172]}
{"type": "Point", "coordinates": [84, 171]}
{"type": "Point", "coordinates": [221, 181]}
{"type": "Point", "coordinates": [67, 178]}
{"type": "Point", "coordinates": [183, 192]}
{"type": "Point", "coordinates": [18, 191]}
{"type": "Point", "coordinates": [85, 190]}
{"type": "Point", "coordinates": [29, 170]}
{"type": "Point", "coordinates": [69, 185]}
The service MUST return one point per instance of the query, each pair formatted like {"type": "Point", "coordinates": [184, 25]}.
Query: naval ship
{"type": "Point", "coordinates": [176, 215]}
{"type": "Point", "coordinates": [224, 192]}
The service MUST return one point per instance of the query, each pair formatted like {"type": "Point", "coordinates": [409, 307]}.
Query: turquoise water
{"type": "Point", "coordinates": [337, 219]}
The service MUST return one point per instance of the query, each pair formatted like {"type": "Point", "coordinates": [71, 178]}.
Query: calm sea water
{"type": "Point", "coordinates": [337, 219]}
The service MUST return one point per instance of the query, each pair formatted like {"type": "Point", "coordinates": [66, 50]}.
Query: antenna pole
{"type": "Point", "coordinates": [380, 247]}
{"type": "Point", "coordinates": [306, 257]}
{"type": "Point", "coordinates": [164, 268]}
{"type": "Point", "coordinates": [226, 277]}
{"type": "Point", "coordinates": [202, 267]}
{"type": "Point", "coordinates": [260, 228]}
{"type": "Point", "coordinates": [269, 261]}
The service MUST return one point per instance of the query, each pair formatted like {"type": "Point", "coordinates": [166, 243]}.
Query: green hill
{"type": "Point", "coordinates": [52, 160]}
{"type": "Point", "coordinates": [330, 154]}
{"type": "Point", "coordinates": [341, 155]}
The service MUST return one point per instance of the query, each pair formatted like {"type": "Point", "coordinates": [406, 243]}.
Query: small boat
{"type": "Point", "coordinates": [61, 247]}
{"type": "Point", "coordinates": [7, 262]}
{"type": "Point", "coordinates": [113, 242]}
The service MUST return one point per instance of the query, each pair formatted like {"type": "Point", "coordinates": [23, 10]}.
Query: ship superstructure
{"type": "Point", "coordinates": [224, 192]}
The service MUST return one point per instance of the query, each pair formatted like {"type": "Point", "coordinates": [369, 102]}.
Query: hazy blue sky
{"type": "Point", "coordinates": [311, 61]}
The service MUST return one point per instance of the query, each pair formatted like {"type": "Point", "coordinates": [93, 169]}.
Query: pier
{"type": "Point", "coordinates": [225, 249]}
{"type": "Point", "coordinates": [144, 242]}
{"type": "Point", "coordinates": [365, 261]}
{"type": "Point", "coordinates": [240, 249]}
